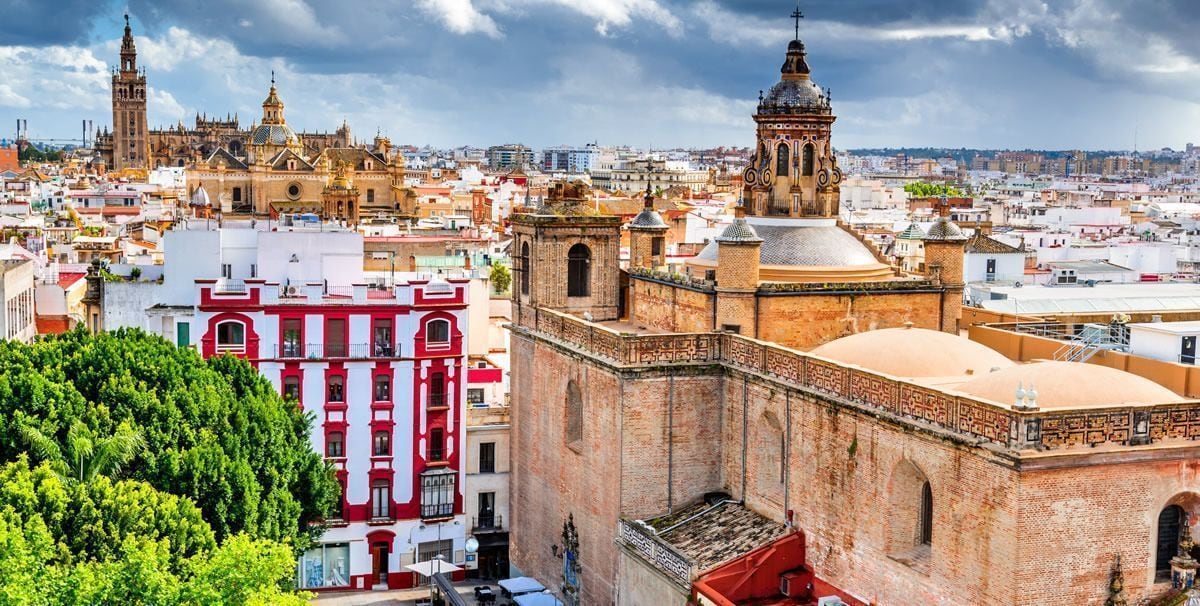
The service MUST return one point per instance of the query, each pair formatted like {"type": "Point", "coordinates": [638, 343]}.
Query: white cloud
{"type": "Point", "coordinates": [10, 98]}
{"type": "Point", "coordinates": [737, 29]}
{"type": "Point", "coordinates": [460, 17]}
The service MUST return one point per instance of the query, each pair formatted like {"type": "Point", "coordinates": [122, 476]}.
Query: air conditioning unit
{"type": "Point", "coordinates": [795, 584]}
{"type": "Point", "coordinates": [830, 600]}
{"type": "Point", "coordinates": [292, 290]}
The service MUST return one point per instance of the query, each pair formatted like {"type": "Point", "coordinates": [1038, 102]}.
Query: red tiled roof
{"type": "Point", "coordinates": [67, 278]}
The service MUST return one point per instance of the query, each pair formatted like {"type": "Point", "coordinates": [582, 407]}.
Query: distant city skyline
{"type": "Point", "coordinates": [1099, 74]}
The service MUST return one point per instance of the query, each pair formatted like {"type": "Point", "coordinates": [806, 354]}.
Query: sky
{"type": "Point", "coordinates": [1017, 74]}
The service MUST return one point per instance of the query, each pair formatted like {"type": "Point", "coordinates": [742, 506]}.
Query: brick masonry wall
{"type": "Point", "coordinates": [840, 480]}
{"type": "Point", "coordinates": [671, 308]}
{"type": "Point", "coordinates": [1001, 536]}
{"type": "Point", "coordinates": [1075, 521]}
{"type": "Point", "coordinates": [552, 480]}
{"type": "Point", "coordinates": [805, 321]}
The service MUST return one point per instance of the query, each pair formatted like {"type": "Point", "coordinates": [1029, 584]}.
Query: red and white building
{"type": "Point", "coordinates": [383, 371]}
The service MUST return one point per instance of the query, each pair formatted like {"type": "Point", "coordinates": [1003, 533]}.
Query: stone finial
{"type": "Point", "coordinates": [1031, 395]}
{"type": "Point", "coordinates": [1019, 401]}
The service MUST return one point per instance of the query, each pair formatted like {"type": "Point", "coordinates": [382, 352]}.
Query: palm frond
{"type": "Point", "coordinates": [113, 452]}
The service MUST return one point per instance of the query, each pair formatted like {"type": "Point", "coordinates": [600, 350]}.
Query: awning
{"type": "Point", "coordinates": [536, 599]}
{"type": "Point", "coordinates": [520, 585]}
{"type": "Point", "coordinates": [429, 568]}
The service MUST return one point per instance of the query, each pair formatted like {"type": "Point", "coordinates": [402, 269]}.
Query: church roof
{"type": "Point", "coordinates": [1068, 385]}
{"type": "Point", "coordinates": [980, 243]}
{"type": "Point", "coordinates": [912, 232]}
{"type": "Point", "coordinates": [279, 160]}
{"type": "Point", "coordinates": [354, 157]}
{"type": "Point", "coordinates": [222, 154]}
{"type": "Point", "coordinates": [925, 353]}
{"type": "Point", "coordinates": [804, 245]}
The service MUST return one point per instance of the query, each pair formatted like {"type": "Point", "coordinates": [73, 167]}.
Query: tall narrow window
{"type": "Point", "coordinates": [437, 389]}
{"type": "Point", "coordinates": [1170, 520]}
{"type": "Point", "coordinates": [926, 514]}
{"type": "Point", "coordinates": [783, 160]}
{"type": "Point", "coordinates": [291, 346]}
{"type": "Point", "coordinates": [809, 150]}
{"type": "Point", "coordinates": [337, 391]}
{"type": "Point", "coordinates": [579, 261]}
{"type": "Point", "coordinates": [487, 457]}
{"type": "Point", "coordinates": [291, 388]}
{"type": "Point", "coordinates": [383, 443]}
{"type": "Point", "coordinates": [370, 196]}
{"type": "Point", "coordinates": [525, 268]}
{"type": "Point", "coordinates": [335, 337]}
{"type": "Point", "coordinates": [237, 194]}
{"type": "Point", "coordinates": [574, 414]}
{"type": "Point", "coordinates": [381, 499]}
{"type": "Point", "coordinates": [334, 445]}
{"type": "Point", "coordinates": [383, 388]}
{"type": "Point", "coordinates": [382, 335]}
{"type": "Point", "coordinates": [436, 444]}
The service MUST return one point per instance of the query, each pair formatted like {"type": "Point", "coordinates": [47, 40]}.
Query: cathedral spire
{"type": "Point", "coordinates": [128, 50]}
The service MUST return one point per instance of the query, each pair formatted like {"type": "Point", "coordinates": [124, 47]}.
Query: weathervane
{"type": "Point", "coordinates": [797, 15]}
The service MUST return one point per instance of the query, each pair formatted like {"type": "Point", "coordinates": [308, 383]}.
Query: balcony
{"type": "Point", "coordinates": [437, 400]}
{"type": "Point", "coordinates": [353, 351]}
{"type": "Point", "coordinates": [487, 523]}
{"type": "Point", "coordinates": [437, 510]}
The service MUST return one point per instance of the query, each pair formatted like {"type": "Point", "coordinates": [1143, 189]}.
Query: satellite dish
{"type": "Point", "coordinates": [1016, 285]}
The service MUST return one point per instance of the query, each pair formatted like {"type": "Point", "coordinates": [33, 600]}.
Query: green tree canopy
{"type": "Point", "coordinates": [501, 277]}
{"type": "Point", "coordinates": [921, 189]}
{"type": "Point", "coordinates": [214, 430]}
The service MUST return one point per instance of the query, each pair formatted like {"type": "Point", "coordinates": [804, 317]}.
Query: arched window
{"type": "Point", "coordinates": [525, 267]}
{"type": "Point", "coordinates": [231, 337]}
{"type": "Point", "coordinates": [574, 414]}
{"type": "Point", "coordinates": [782, 160]}
{"type": "Point", "coordinates": [809, 151]}
{"type": "Point", "coordinates": [579, 261]}
{"type": "Point", "coordinates": [926, 522]}
{"type": "Point", "coordinates": [1170, 521]}
{"type": "Point", "coordinates": [908, 518]}
{"type": "Point", "coordinates": [437, 332]}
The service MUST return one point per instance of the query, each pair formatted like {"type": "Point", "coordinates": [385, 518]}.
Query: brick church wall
{"type": "Point", "coordinates": [805, 321]}
{"type": "Point", "coordinates": [670, 308]}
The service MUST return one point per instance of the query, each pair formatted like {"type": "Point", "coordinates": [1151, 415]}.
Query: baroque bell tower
{"type": "Point", "coordinates": [131, 147]}
{"type": "Point", "coordinates": [793, 172]}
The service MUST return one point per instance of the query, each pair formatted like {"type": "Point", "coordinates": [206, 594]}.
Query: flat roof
{"type": "Point", "coordinates": [1134, 297]}
{"type": "Point", "coordinates": [1185, 327]}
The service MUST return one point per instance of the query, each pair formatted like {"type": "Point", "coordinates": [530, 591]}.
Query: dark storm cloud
{"type": "Point", "coordinates": [944, 72]}
{"type": "Point", "coordinates": [43, 22]}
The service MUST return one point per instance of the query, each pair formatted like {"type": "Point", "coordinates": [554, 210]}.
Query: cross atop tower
{"type": "Point", "coordinates": [797, 15]}
{"type": "Point", "coordinates": [272, 77]}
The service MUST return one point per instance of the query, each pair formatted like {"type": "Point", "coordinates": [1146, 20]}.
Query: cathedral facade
{"type": "Point", "coordinates": [796, 374]}
{"type": "Point", "coordinates": [266, 169]}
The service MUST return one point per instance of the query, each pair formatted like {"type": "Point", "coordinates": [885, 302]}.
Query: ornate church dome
{"type": "Point", "coordinates": [804, 250]}
{"type": "Point", "coordinates": [795, 92]}
{"type": "Point", "coordinates": [280, 135]}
